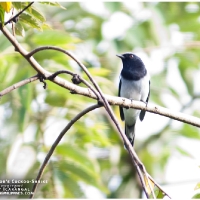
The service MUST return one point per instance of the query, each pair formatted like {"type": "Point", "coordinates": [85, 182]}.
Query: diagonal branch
{"type": "Point", "coordinates": [48, 156]}
{"type": "Point", "coordinates": [18, 14]}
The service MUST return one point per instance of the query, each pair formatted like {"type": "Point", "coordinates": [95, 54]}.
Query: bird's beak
{"type": "Point", "coordinates": [120, 56]}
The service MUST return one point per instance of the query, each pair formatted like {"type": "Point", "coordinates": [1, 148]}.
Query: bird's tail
{"type": "Point", "coordinates": [130, 133]}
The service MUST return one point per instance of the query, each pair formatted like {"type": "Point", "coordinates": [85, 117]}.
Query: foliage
{"type": "Point", "coordinates": [91, 155]}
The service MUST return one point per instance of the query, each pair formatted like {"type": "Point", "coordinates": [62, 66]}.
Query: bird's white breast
{"type": "Point", "coordinates": [135, 90]}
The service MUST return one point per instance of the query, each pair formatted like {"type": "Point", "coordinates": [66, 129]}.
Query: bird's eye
{"type": "Point", "coordinates": [131, 56]}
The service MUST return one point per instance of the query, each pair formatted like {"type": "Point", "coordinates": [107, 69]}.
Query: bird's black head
{"type": "Point", "coordinates": [133, 67]}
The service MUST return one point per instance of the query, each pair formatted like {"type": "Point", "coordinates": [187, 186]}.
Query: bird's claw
{"type": "Point", "coordinates": [144, 102]}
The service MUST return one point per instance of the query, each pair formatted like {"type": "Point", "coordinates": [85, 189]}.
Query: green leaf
{"type": "Point", "coordinates": [46, 26]}
{"type": "Point", "coordinates": [19, 30]}
{"type": "Point", "coordinates": [25, 93]}
{"type": "Point", "coordinates": [53, 4]}
{"type": "Point", "coordinates": [183, 152]}
{"type": "Point", "coordinates": [99, 71]}
{"type": "Point", "coordinates": [2, 12]}
{"type": "Point", "coordinates": [29, 20]}
{"type": "Point", "coordinates": [20, 5]}
{"type": "Point", "coordinates": [196, 196]}
{"type": "Point", "coordinates": [160, 195]}
{"type": "Point", "coordinates": [55, 99]}
{"type": "Point", "coordinates": [157, 192]}
{"type": "Point", "coordinates": [38, 15]}
{"type": "Point", "coordinates": [80, 174]}
{"type": "Point", "coordinates": [80, 165]}
{"type": "Point", "coordinates": [29, 10]}
{"type": "Point", "coordinates": [113, 6]}
{"type": "Point", "coordinates": [174, 92]}
{"type": "Point", "coordinates": [60, 38]}
{"type": "Point", "coordinates": [190, 132]}
{"type": "Point", "coordinates": [71, 187]}
{"type": "Point", "coordinates": [17, 5]}
{"type": "Point", "coordinates": [77, 156]}
{"type": "Point", "coordinates": [97, 134]}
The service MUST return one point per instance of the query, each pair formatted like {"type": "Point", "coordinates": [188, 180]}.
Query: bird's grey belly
{"type": "Point", "coordinates": [131, 90]}
{"type": "Point", "coordinates": [130, 115]}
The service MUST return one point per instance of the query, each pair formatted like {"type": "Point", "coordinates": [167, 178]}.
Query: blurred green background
{"type": "Point", "coordinates": [90, 161]}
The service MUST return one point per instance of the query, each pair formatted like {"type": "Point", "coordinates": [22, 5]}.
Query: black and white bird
{"type": "Point", "coordinates": [135, 85]}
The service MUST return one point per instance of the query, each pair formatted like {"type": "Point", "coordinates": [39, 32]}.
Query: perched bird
{"type": "Point", "coordinates": [135, 85]}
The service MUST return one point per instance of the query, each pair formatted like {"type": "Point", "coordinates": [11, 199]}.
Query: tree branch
{"type": "Point", "coordinates": [113, 100]}
{"type": "Point", "coordinates": [87, 92]}
{"type": "Point", "coordinates": [17, 85]}
{"type": "Point", "coordinates": [48, 156]}
{"type": "Point", "coordinates": [77, 79]}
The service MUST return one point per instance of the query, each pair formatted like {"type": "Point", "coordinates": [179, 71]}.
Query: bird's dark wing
{"type": "Point", "coordinates": [142, 113]}
{"type": "Point", "coordinates": [120, 108]}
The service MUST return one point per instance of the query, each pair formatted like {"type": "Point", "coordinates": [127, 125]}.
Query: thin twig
{"type": "Point", "coordinates": [139, 174]}
{"type": "Point", "coordinates": [17, 85]}
{"type": "Point", "coordinates": [76, 79]}
{"type": "Point", "coordinates": [48, 156]}
{"type": "Point", "coordinates": [18, 14]}
{"type": "Point", "coordinates": [52, 76]}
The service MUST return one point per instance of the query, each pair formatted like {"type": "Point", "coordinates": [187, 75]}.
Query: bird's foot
{"type": "Point", "coordinates": [127, 107]}
{"type": "Point", "coordinates": [131, 141]}
{"type": "Point", "coordinates": [144, 102]}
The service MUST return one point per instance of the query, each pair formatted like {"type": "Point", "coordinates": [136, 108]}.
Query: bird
{"type": "Point", "coordinates": [134, 84]}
